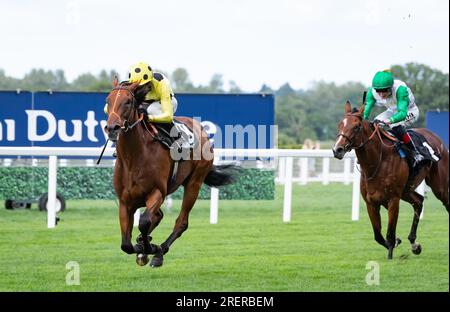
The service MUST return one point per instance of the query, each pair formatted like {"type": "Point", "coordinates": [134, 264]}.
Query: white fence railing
{"type": "Point", "coordinates": [285, 172]}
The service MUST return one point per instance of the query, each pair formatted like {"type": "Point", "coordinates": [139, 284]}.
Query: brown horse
{"type": "Point", "coordinates": [385, 175]}
{"type": "Point", "coordinates": [143, 173]}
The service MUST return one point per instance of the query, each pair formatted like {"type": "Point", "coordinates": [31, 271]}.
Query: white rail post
{"type": "Point", "coordinates": [421, 190]}
{"type": "Point", "coordinates": [288, 190]}
{"type": "Point", "coordinates": [51, 202]}
{"type": "Point", "coordinates": [214, 214]}
{"type": "Point", "coordinates": [303, 170]}
{"type": "Point", "coordinates": [356, 193]}
{"type": "Point", "coordinates": [326, 171]}
{"type": "Point", "coordinates": [347, 162]}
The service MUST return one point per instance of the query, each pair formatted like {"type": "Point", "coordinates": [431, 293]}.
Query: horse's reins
{"type": "Point", "coordinates": [375, 131]}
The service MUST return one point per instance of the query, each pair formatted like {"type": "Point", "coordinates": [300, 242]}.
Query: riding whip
{"type": "Point", "coordinates": [103, 150]}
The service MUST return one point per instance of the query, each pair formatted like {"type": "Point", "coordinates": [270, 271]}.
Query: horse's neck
{"type": "Point", "coordinates": [369, 155]}
{"type": "Point", "coordinates": [131, 145]}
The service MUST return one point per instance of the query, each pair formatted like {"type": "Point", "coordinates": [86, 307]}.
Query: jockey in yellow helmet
{"type": "Point", "coordinates": [161, 99]}
{"type": "Point", "coordinates": [159, 103]}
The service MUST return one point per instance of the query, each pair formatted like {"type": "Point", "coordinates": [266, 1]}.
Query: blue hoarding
{"type": "Point", "coordinates": [76, 119]}
{"type": "Point", "coordinates": [13, 119]}
{"type": "Point", "coordinates": [437, 122]}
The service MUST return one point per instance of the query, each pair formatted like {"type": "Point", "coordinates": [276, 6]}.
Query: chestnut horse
{"type": "Point", "coordinates": [385, 175]}
{"type": "Point", "coordinates": [143, 173]}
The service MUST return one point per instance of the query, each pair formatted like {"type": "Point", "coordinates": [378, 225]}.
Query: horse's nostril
{"type": "Point", "coordinates": [112, 128]}
{"type": "Point", "coordinates": [340, 149]}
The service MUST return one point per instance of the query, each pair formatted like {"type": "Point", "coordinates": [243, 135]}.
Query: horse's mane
{"type": "Point", "coordinates": [140, 91]}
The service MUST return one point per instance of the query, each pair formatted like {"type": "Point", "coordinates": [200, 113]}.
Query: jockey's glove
{"type": "Point", "coordinates": [142, 110]}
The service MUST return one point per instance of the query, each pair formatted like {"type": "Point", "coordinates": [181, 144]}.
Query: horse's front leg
{"type": "Point", "coordinates": [391, 240]}
{"type": "Point", "coordinates": [375, 218]}
{"type": "Point", "coordinates": [126, 217]}
{"type": "Point", "coordinates": [149, 220]}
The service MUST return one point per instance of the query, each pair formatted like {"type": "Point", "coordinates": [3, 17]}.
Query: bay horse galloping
{"type": "Point", "coordinates": [385, 175]}
{"type": "Point", "coordinates": [144, 172]}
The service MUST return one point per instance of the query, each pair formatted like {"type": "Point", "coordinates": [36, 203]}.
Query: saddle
{"type": "Point", "coordinates": [174, 135]}
{"type": "Point", "coordinates": [422, 145]}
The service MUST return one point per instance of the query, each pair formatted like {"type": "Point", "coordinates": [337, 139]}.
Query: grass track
{"type": "Point", "coordinates": [250, 249]}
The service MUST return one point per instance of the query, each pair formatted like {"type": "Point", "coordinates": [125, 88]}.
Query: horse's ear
{"type": "Point", "coordinates": [361, 109]}
{"type": "Point", "coordinates": [348, 107]}
{"type": "Point", "coordinates": [115, 82]}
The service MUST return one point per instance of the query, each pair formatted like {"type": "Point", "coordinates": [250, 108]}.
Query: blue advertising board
{"type": "Point", "coordinates": [13, 118]}
{"type": "Point", "coordinates": [76, 119]}
{"type": "Point", "coordinates": [437, 121]}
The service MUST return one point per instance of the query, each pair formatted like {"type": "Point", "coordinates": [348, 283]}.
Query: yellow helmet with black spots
{"type": "Point", "coordinates": [141, 72]}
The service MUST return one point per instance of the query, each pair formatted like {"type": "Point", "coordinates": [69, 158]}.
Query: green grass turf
{"type": "Point", "coordinates": [250, 249]}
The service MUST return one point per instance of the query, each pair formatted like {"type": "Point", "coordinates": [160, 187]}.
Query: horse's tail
{"type": "Point", "coordinates": [222, 175]}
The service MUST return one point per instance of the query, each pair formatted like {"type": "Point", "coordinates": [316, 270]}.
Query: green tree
{"type": "Point", "coordinates": [430, 86]}
{"type": "Point", "coordinates": [40, 80]}
{"type": "Point", "coordinates": [8, 83]}
{"type": "Point", "coordinates": [181, 81]}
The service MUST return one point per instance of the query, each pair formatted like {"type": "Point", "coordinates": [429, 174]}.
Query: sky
{"type": "Point", "coordinates": [252, 42]}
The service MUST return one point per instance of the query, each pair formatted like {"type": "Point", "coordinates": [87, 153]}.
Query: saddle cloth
{"type": "Point", "coordinates": [176, 135]}
{"type": "Point", "coordinates": [423, 146]}
{"type": "Point", "coordinates": [420, 143]}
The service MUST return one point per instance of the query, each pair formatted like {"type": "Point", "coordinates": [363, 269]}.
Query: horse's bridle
{"type": "Point", "coordinates": [125, 124]}
{"type": "Point", "coordinates": [349, 146]}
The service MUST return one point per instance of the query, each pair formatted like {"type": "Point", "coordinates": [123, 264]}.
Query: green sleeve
{"type": "Point", "coordinates": [370, 101]}
{"type": "Point", "coordinates": [402, 105]}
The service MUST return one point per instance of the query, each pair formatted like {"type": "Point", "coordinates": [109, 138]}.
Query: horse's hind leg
{"type": "Point", "coordinates": [416, 200]}
{"type": "Point", "coordinates": [191, 191]}
{"type": "Point", "coordinates": [437, 179]}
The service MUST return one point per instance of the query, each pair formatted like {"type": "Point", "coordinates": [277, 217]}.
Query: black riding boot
{"type": "Point", "coordinates": [417, 156]}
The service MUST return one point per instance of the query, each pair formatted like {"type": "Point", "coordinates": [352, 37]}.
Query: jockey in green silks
{"type": "Point", "coordinates": [401, 111]}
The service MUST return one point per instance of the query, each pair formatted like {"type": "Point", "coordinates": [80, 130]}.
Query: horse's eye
{"type": "Point", "coordinates": [355, 127]}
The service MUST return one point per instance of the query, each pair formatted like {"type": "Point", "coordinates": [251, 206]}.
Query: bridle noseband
{"type": "Point", "coordinates": [349, 146]}
{"type": "Point", "coordinates": [125, 124]}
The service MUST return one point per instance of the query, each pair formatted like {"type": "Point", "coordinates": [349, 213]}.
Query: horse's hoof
{"type": "Point", "coordinates": [141, 259]}
{"type": "Point", "coordinates": [157, 261]}
{"type": "Point", "coordinates": [398, 241]}
{"type": "Point", "coordinates": [416, 249]}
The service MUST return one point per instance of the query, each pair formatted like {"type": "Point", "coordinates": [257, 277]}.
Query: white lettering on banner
{"type": "Point", "coordinates": [10, 130]}
{"type": "Point", "coordinates": [77, 131]}
{"type": "Point", "coordinates": [32, 125]}
{"type": "Point", "coordinates": [52, 126]}
{"type": "Point", "coordinates": [91, 123]}
{"type": "Point", "coordinates": [250, 136]}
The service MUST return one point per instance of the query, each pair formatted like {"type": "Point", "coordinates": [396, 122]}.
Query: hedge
{"type": "Point", "coordinates": [22, 183]}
